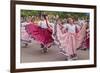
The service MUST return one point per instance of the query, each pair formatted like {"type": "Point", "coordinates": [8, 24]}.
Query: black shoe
{"type": "Point", "coordinates": [84, 49]}
{"type": "Point", "coordinates": [42, 46]}
{"type": "Point", "coordinates": [45, 50]}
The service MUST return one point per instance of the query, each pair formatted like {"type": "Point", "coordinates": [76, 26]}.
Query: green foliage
{"type": "Point", "coordinates": [26, 13]}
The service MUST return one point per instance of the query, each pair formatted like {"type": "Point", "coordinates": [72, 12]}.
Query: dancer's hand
{"type": "Point", "coordinates": [64, 30]}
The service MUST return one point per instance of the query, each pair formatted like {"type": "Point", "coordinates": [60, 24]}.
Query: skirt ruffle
{"type": "Point", "coordinates": [43, 36]}
{"type": "Point", "coordinates": [69, 42]}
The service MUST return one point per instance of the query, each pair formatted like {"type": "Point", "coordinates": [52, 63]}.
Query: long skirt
{"type": "Point", "coordinates": [25, 38]}
{"type": "Point", "coordinates": [86, 42]}
{"type": "Point", "coordinates": [43, 36]}
{"type": "Point", "coordinates": [69, 42]}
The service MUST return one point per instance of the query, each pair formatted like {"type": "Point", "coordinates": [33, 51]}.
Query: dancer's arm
{"type": "Point", "coordinates": [65, 28]}
{"type": "Point", "coordinates": [78, 28]}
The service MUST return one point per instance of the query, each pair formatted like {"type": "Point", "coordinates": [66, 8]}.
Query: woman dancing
{"type": "Point", "coordinates": [41, 32]}
{"type": "Point", "coordinates": [25, 38]}
{"type": "Point", "coordinates": [70, 37]}
{"type": "Point", "coordinates": [86, 42]}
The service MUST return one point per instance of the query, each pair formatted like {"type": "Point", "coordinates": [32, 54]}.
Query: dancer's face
{"type": "Point", "coordinates": [29, 19]}
{"type": "Point", "coordinates": [37, 18]}
{"type": "Point", "coordinates": [70, 20]}
{"type": "Point", "coordinates": [59, 21]}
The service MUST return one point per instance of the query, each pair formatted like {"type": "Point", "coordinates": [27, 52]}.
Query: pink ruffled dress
{"type": "Point", "coordinates": [70, 41]}
{"type": "Point", "coordinates": [86, 42]}
{"type": "Point", "coordinates": [25, 38]}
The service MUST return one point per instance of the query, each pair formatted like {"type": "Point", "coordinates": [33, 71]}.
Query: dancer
{"type": "Point", "coordinates": [86, 41]}
{"type": "Point", "coordinates": [41, 32]}
{"type": "Point", "coordinates": [70, 37]}
{"type": "Point", "coordinates": [25, 38]}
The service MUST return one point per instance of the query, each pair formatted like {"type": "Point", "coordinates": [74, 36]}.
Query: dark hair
{"type": "Point", "coordinates": [69, 19]}
{"type": "Point", "coordinates": [44, 16]}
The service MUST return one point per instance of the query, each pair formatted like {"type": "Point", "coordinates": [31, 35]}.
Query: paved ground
{"type": "Point", "coordinates": [33, 53]}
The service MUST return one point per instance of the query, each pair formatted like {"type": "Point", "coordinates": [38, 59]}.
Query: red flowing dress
{"type": "Point", "coordinates": [42, 35]}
